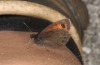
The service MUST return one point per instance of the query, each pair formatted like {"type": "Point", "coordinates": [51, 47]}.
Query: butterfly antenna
{"type": "Point", "coordinates": [29, 30]}
{"type": "Point", "coordinates": [27, 26]}
{"type": "Point", "coordinates": [30, 35]}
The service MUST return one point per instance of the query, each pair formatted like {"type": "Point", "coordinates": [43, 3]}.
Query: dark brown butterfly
{"type": "Point", "coordinates": [55, 35]}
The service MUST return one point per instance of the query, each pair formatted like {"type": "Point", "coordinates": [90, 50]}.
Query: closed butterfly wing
{"type": "Point", "coordinates": [55, 35]}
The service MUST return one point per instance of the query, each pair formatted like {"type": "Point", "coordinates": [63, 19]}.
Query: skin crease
{"type": "Point", "coordinates": [16, 48]}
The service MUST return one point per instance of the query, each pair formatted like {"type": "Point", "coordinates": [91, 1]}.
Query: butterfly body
{"type": "Point", "coordinates": [55, 35]}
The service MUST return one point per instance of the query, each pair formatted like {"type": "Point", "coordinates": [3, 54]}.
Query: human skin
{"type": "Point", "coordinates": [17, 48]}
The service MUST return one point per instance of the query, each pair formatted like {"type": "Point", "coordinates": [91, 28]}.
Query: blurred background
{"type": "Point", "coordinates": [91, 45]}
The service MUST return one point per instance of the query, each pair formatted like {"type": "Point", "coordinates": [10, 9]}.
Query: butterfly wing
{"type": "Point", "coordinates": [62, 24]}
{"type": "Point", "coordinates": [56, 34]}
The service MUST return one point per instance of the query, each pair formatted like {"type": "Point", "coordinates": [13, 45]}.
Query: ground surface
{"type": "Point", "coordinates": [92, 34]}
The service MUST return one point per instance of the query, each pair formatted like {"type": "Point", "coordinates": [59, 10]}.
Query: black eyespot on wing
{"type": "Point", "coordinates": [63, 25]}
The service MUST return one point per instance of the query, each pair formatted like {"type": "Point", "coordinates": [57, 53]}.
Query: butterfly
{"type": "Point", "coordinates": [55, 35]}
